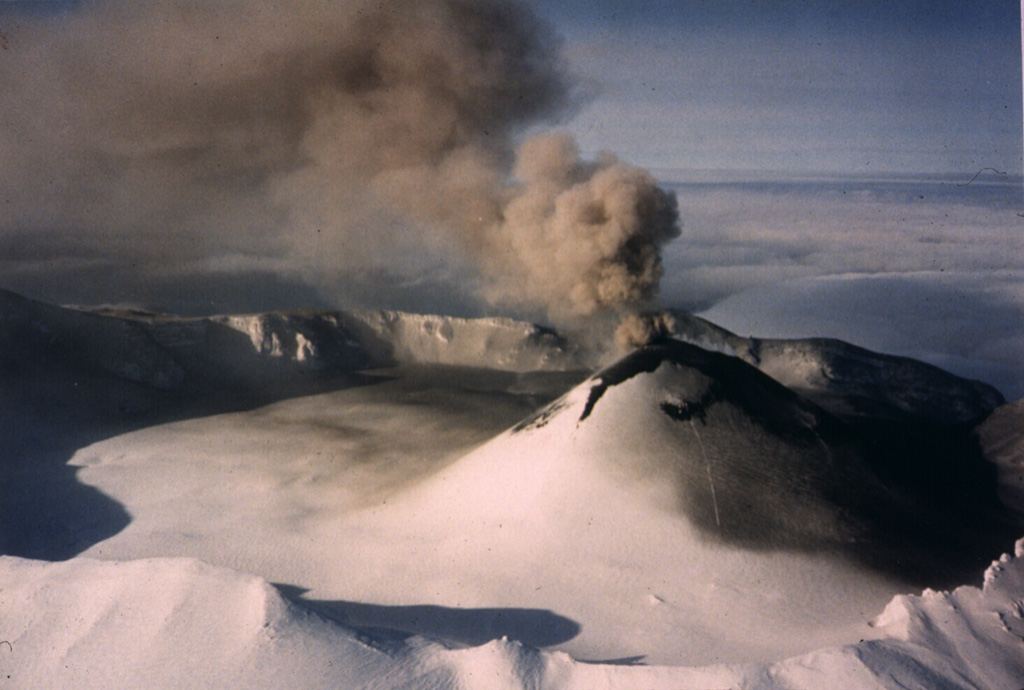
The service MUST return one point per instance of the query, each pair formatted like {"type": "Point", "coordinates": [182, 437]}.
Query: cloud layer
{"type": "Point", "coordinates": [928, 268]}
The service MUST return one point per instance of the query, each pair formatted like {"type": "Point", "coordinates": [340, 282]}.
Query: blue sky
{"type": "Point", "coordinates": [798, 86]}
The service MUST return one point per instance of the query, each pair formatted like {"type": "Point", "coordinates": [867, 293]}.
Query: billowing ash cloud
{"type": "Point", "coordinates": [639, 329]}
{"type": "Point", "coordinates": [585, 236]}
{"type": "Point", "coordinates": [316, 141]}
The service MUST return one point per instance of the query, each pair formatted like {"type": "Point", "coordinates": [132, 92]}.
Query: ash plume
{"type": "Point", "coordinates": [316, 140]}
{"type": "Point", "coordinates": [586, 237]}
{"type": "Point", "coordinates": [640, 329]}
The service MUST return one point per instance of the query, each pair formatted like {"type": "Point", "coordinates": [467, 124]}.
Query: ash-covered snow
{"type": "Point", "coordinates": [494, 343]}
{"type": "Point", "coordinates": [850, 380]}
{"type": "Point", "coordinates": [1001, 436]}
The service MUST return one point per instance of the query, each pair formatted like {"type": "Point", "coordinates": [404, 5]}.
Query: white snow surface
{"type": "Point", "coordinates": [179, 623]}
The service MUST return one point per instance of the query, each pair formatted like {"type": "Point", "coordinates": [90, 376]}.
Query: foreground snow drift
{"type": "Point", "coordinates": [178, 623]}
{"type": "Point", "coordinates": [165, 624]}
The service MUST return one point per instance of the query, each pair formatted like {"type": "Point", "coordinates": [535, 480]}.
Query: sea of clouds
{"type": "Point", "coordinates": [925, 267]}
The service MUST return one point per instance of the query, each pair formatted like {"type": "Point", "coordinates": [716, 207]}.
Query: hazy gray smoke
{"type": "Point", "coordinates": [314, 139]}
{"type": "Point", "coordinates": [639, 329]}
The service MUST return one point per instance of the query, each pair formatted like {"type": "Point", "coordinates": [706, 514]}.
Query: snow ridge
{"type": "Point", "coordinates": [849, 380]}
{"type": "Point", "coordinates": [171, 353]}
{"type": "Point", "coordinates": [178, 354]}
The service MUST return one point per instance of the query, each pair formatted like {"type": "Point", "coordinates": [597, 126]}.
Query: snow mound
{"type": "Point", "coordinates": [725, 506]}
{"type": "Point", "coordinates": [968, 638]}
{"type": "Point", "coordinates": [179, 623]}
{"type": "Point", "coordinates": [166, 623]}
{"type": "Point", "coordinates": [174, 623]}
{"type": "Point", "coordinates": [729, 439]}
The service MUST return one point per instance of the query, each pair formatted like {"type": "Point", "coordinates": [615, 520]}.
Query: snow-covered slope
{"type": "Point", "coordinates": [1001, 436]}
{"type": "Point", "coordinates": [719, 506]}
{"type": "Point", "coordinates": [165, 624]}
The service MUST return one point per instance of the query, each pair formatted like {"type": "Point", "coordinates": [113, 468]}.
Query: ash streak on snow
{"type": "Point", "coordinates": [314, 141]}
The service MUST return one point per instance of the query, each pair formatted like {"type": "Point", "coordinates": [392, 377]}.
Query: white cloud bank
{"type": "Point", "coordinates": [928, 268]}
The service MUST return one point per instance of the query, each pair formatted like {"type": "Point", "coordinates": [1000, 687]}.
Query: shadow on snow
{"type": "Point", "coordinates": [387, 626]}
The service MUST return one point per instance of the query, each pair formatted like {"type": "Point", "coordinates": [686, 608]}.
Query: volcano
{"type": "Point", "coordinates": [691, 477]}
{"type": "Point", "coordinates": [416, 485]}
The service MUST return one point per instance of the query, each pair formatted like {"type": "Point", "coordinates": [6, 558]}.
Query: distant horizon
{"type": "Point", "coordinates": [988, 191]}
{"type": "Point", "coordinates": [669, 175]}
